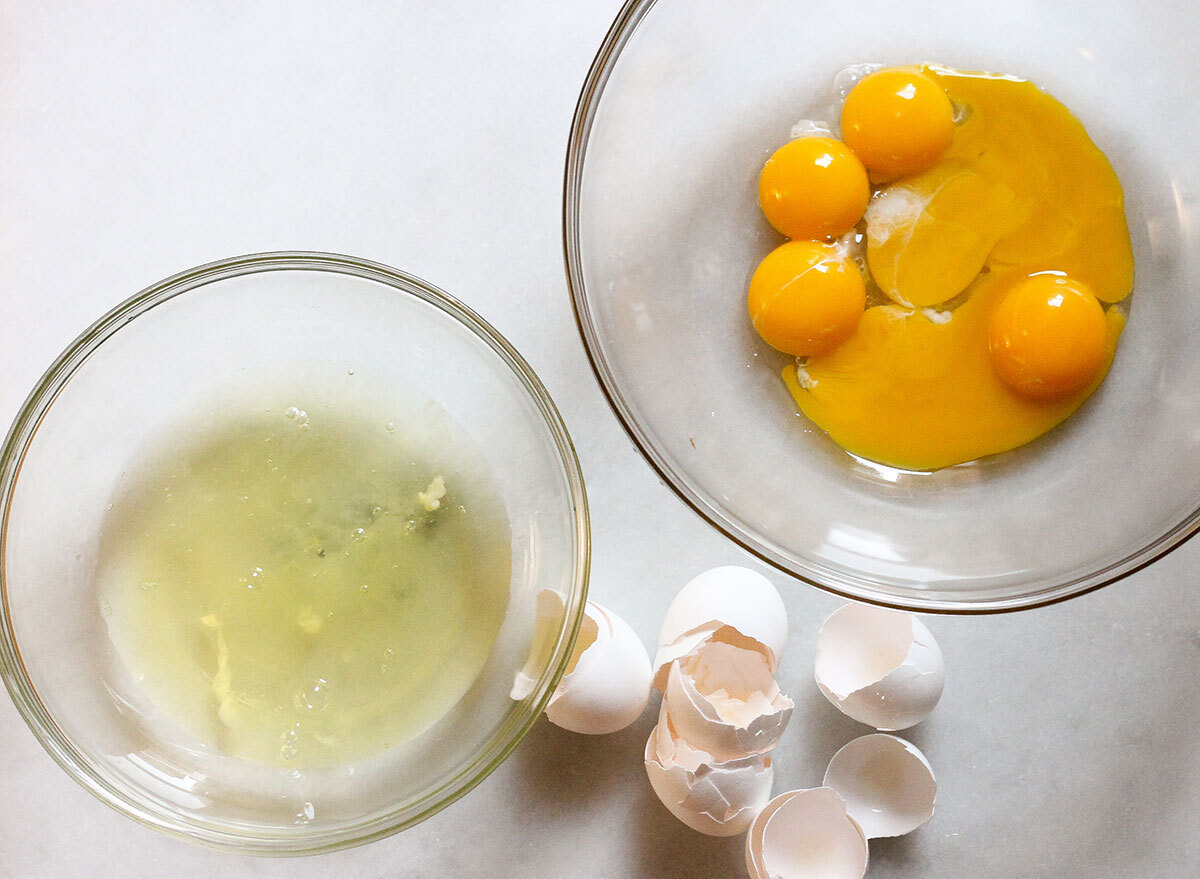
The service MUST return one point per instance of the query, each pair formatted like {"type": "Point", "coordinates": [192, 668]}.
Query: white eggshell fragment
{"type": "Point", "coordinates": [887, 783]}
{"type": "Point", "coordinates": [806, 834]}
{"type": "Point", "coordinates": [728, 596]}
{"type": "Point", "coordinates": [607, 684]}
{"type": "Point", "coordinates": [881, 667]}
{"type": "Point", "coordinates": [723, 700]}
{"type": "Point", "coordinates": [681, 646]}
{"type": "Point", "coordinates": [607, 681]}
{"type": "Point", "coordinates": [713, 797]}
{"type": "Point", "coordinates": [696, 640]}
{"type": "Point", "coordinates": [550, 608]}
{"type": "Point", "coordinates": [754, 864]}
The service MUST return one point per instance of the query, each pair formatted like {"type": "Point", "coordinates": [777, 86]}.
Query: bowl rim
{"type": "Point", "coordinates": [857, 588]}
{"type": "Point", "coordinates": [521, 716]}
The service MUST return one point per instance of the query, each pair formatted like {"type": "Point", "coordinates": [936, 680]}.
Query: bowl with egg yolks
{"type": "Point", "coordinates": [1086, 475]}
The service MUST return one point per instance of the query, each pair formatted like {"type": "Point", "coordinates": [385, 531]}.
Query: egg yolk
{"type": "Point", "coordinates": [813, 187]}
{"type": "Point", "coordinates": [1047, 337]}
{"type": "Point", "coordinates": [914, 393]}
{"type": "Point", "coordinates": [806, 298]}
{"type": "Point", "coordinates": [897, 121]}
{"type": "Point", "coordinates": [995, 277]}
{"type": "Point", "coordinates": [929, 237]}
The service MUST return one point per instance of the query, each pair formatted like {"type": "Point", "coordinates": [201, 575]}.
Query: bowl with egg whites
{"type": "Point", "coordinates": [267, 591]}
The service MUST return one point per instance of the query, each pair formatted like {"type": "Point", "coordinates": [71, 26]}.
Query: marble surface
{"type": "Point", "coordinates": [139, 138]}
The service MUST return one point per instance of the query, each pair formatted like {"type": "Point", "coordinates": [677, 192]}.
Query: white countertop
{"type": "Point", "coordinates": [141, 138]}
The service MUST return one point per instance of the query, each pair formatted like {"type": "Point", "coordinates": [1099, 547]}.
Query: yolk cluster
{"type": "Point", "coordinates": [995, 237]}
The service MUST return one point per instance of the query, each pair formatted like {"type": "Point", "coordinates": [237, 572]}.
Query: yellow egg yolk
{"type": "Point", "coordinates": [964, 361]}
{"type": "Point", "coordinates": [806, 298]}
{"type": "Point", "coordinates": [907, 391]}
{"type": "Point", "coordinates": [897, 121]}
{"type": "Point", "coordinates": [1021, 186]}
{"type": "Point", "coordinates": [928, 237]}
{"type": "Point", "coordinates": [1048, 337]}
{"type": "Point", "coordinates": [813, 187]}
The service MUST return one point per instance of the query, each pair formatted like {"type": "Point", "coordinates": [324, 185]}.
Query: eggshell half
{"type": "Point", "coordinates": [882, 667]}
{"type": "Point", "coordinates": [607, 684]}
{"type": "Point", "coordinates": [549, 609]}
{"type": "Point", "coordinates": [806, 834]}
{"type": "Point", "coordinates": [886, 782]}
{"type": "Point", "coordinates": [728, 596]}
{"type": "Point", "coordinates": [754, 864]}
{"type": "Point", "coordinates": [713, 797]}
{"type": "Point", "coordinates": [607, 681]}
{"type": "Point", "coordinates": [723, 700]}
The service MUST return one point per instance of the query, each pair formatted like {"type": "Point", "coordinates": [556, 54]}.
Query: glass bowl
{"type": "Point", "coordinates": [331, 325]}
{"type": "Point", "coordinates": [684, 103]}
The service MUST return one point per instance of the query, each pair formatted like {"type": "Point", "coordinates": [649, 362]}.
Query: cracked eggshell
{"type": "Point", "coordinates": [754, 864]}
{"type": "Point", "coordinates": [886, 782]}
{"type": "Point", "coordinates": [607, 684]}
{"type": "Point", "coordinates": [680, 647]}
{"type": "Point", "coordinates": [806, 834]}
{"type": "Point", "coordinates": [881, 667]}
{"type": "Point", "coordinates": [723, 700]}
{"type": "Point", "coordinates": [691, 643]}
{"type": "Point", "coordinates": [726, 596]}
{"type": "Point", "coordinates": [713, 797]}
{"type": "Point", "coordinates": [607, 681]}
{"type": "Point", "coordinates": [549, 610]}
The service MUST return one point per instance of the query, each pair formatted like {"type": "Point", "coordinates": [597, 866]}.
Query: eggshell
{"type": "Point", "coordinates": [754, 864]}
{"type": "Point", "coordinates": [728, 596]}
{"type": "Point", "coordinates": [723, 700]}
{"type": "Point", "coordinates": [806, 834]}
{"type": "Point", "coordinates": [881, 667]}
{"type": "Point", "coordinates": [607, 682]}
{"type": "Point", "coordinates": [681, 646]}
{"type": "Point", "coordinates": [713, 797]}
{"type": "Point", "coordinates": [609, 685]}
{"type": "Point", "coordinates": [549, 609]}
{"type": "Point", "coordinates": [691, 642]}
{"type": "Point", "coordinates": [887, 783]}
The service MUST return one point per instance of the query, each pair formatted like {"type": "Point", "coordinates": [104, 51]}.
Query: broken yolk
{"type": "Point", "coordinates": [813, 187]}
{"type": "Point", "coordinates": [913, 393]}
{"type": "Point", "coordinates": [898, 121]}
{"type": "Point", "coordinates": [930, 236]}
{"type": "Point", "coordinates": [806, 298]}
{"type": "Point", "coordinates": [997, 267]}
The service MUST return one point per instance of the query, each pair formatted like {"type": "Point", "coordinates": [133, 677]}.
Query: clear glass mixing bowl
{"type": "Point", "coordinates": [685, 101]}
{"type": "Point", "coordinates": [218, 332]}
